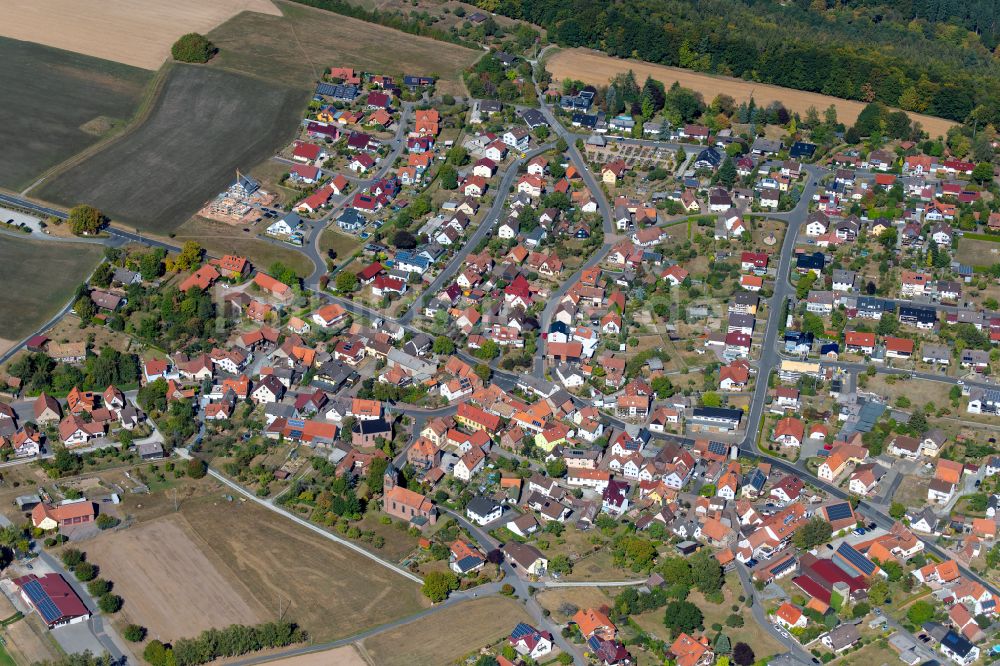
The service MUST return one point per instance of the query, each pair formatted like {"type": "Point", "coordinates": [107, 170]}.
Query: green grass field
{"type": "Point", "coordinates": [57, 103]}
{"type": "Point", "coordinates": [5, 658]}
{"type": "Point", "coordinates": [47, 274]}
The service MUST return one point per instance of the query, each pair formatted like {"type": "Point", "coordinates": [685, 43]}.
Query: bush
{"type": "Point", "coordinates": [85, 571]}
{"type": "Point", "coordinates": [507, 589]}
{"type": "Point", "coordinates": [104, 521]}
{"type": "Point", "coordinates": [110, 603]}
{"type": "Point", "coordinates": [134, 633]}
{"type": "Point", "coordinates": [192, 47]}
{"type": "Point", "coordinates": [98, 587]}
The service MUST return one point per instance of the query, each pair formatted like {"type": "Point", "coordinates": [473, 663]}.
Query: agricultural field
{"type": "Point", "coordinates": [259, 45]}
{"type": "Point", "coordinates": [597, 68]}
{"type": "Point", "coordinates": [53, 269]}
{"type": "Point", "coordinates": [205, 124]}
{"type": "Point", "coordinates": [159, 567]}
{"type": "Point", "coordinates": [342, 656]}
{"type": "Point", "coordinates": [232, 561]}
{"type": "Point", "coordinates": [329, 590]}
{"type": "Point", "coordinates": [134, 33]}
{"type": "Point", "coordinates": [37, 132]}
{"type": "Point", "coordinates": [219, 238]}
{"type": "Point", "coordinates": [447, 635]}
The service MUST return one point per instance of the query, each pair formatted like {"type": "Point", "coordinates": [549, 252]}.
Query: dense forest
{"type": "Point", "coordinates": [929, 56]}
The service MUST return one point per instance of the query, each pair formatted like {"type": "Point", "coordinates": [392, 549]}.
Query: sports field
{"type": "Point", "coordinates": [57, 103]}
{"type": "Point", "coordinates": [298, 46]}
{"type": "Point", "coordinates": [126, 31]}
{"type": "Point", "coordinates": [51, 269]}
{"type": "Point", "coordinates": [205, 124]}
{"type": "Point", "coordinates": [597, 68]}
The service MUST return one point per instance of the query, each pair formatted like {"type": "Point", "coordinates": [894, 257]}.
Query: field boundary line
{"type": "Point", "coordinates": [315, 528]}
{"type": "Point", "coordinates": [144, 109]}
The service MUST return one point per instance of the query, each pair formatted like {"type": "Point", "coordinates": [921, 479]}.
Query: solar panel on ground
{"type": "Point", "coordinates": [40, 598]}
{"type": "Point", "coordinates": [850, 554]}
{"type": "Point", "coordinates": [838, 511]}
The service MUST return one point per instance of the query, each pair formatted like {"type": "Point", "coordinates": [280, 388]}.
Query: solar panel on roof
{"type": "Point", "coordinates": [40, 598]}
{"type": "Point", "coordinates": [783, 566]}
{"type": "Point", "coordinates": [862, 563]}
{"type": "Point", "coordinates": [838, 511]}
{"type": "Point", "coordinates": [522, 629]}
{"type": "Point", "coordinates": [594, 643]}
{"type": "Point", "coordinates": [718, 448]}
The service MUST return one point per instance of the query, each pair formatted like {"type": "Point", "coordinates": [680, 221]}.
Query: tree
{"type": "Point", "coordinates": [346, 282]}
{"type": "Point", "coordinates": [85, 571]}
{"type": "Point", "coordinates": [197, 468]}
{"type": "Point", "coordinates": [98, 587]}
{"type": "Point", "coordinates": [812, 534]}
{"type": "Point", "coordinates": [444, 345]}
{"type": "Point", "coordinates": [483, 371]}
{"type": "Point", "coordinates": [85, 308]}
{"type": "Point", "coordinates": [706, 573]}
{"type": "Point", "coordinates": [192, 47]}
{"type": "Point", "coordinates": [188, 257]}
{"type": "Point", "coordinates": [110, 603]}
{"type": "Point", "coordinates": [449, 177]}
{"type": "Point", "coordinates": [878, 593]}
{"type": "Point", "coordinates": [134, 633]}
{"type": "Point", "coordinates": [983, 173]}
{"type": "Point", "coordinates": [897, 510]}
{"type": "Point", "coordinates": [488, 350]}
{"type": "Point", "coordinates": [438, 584]}
{"type": "Point", "coordinates": [919, 612]}
{"type": "Point", "coordinates": [682, 617]}
{"type": "Point", "coordinates": [85, 220]}
{"type": "Point", "coordinates": [556, 468]}
{"type": "Point", "coordinates": [743, 654]}
{"type": "Point", "coordinates": [860, 610]}
{"type": "Point", "coordinates": [711, 399]}
{"type": "Point", "coordinates": [727, 172]}
{"type": "Point", "coordinates": [560, 564]}
{"type": "Point", "coordinates": [404, 239]}
{"type": "Point", "coordinates": [72, 557]}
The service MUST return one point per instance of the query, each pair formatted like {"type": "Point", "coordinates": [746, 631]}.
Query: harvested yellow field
{"type": "Point", "coordinates": [344, 656]}
{"type": "Point", "coordinates": [598, 69]}
{"type": "Point", "coordinates": [134, 32]}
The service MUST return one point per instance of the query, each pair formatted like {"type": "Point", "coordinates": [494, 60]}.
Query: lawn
{"type": "Point", "coordinates": [205, 124]}
{"type": "Point", "coordinates": [296, 48]}
{"type": "Point", "coordinates": [448, 635]}
{"type": "Point", "coordinates": [220, 238]}
{"type": "Point", "coordinates": [978, 249]}
{"type": "Point", "coordinates": [38, 130]}
{"type": "Point", "coordinates": [46, 273]}
{"type": "Point", "coordinates": [750, 633]}
{"type": "Point", "coordinates": [343, 244]}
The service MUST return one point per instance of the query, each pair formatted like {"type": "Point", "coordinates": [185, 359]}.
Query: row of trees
{"type": "Point", "coordinates": [233, 641]}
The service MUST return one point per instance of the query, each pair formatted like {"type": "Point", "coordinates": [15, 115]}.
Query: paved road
{"type": "Point", "coordinates": [311, 246]}
{"type": "Point", "coordinates": [762, 619]}
{"type": "Point", "coordinates": [485, 228]}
